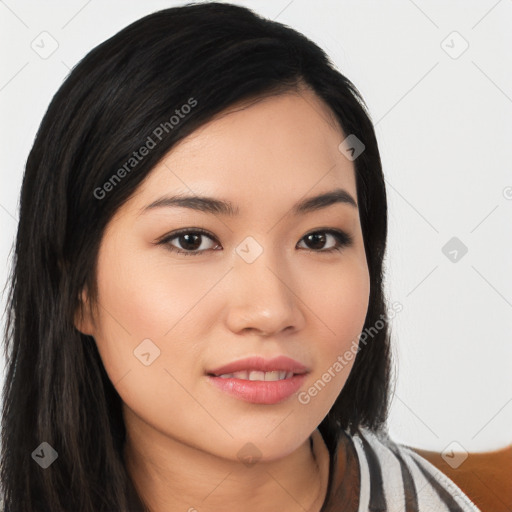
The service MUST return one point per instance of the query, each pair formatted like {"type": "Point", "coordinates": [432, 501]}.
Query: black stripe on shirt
{"type": "Point", "coordinates": [377, 498]}
{"type": "Point", "coordinates": [410, 494]}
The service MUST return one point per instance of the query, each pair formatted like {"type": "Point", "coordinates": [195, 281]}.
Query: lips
{"type": "Point", "coordinates": [258, 380]}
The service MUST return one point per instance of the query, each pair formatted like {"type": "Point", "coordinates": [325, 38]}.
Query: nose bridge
{"type": "Point", "coordinates": [264, 297]}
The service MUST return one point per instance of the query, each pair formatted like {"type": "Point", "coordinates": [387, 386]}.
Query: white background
{"type": "Point", "coordinates": [444, 126]}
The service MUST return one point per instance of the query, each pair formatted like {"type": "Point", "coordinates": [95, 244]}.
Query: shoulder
{"type": "Point", "coordinates": [394, 477]}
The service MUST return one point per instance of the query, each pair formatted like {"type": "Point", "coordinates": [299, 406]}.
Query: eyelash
{"type": "Point", "coordinates": [343, 239]}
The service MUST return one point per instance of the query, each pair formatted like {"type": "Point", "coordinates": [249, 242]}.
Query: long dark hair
{"type": "Point", "coordinates": [208, 56]}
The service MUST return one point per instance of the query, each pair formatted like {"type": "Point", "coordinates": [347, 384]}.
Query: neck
{"type": "Point", "coordinates": [172, 476]}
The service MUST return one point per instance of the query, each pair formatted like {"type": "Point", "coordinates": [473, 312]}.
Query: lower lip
{"type": "Point", "coordinates": [258, 391]}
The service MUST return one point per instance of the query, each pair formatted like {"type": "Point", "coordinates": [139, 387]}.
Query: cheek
{"type": "Point", "coordinates": [142, 298]}
{"type": "Point", "coordinates": [148, 293]}
{"type": "Point", "coordinates": [339, 298]}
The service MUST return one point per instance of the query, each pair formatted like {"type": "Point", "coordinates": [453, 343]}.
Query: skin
{"type": "Point", "coordinates": [204, 311]}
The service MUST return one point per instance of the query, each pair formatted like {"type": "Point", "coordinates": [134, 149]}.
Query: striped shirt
{"type": "Point", "coordinates": [392, 478]}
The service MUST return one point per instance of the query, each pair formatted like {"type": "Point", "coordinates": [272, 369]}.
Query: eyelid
{"type": "Point", "coordinates": [173, 234]}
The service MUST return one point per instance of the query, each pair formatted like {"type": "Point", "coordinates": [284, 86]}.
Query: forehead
{"type": "Point", "coordinates": [273, 150]}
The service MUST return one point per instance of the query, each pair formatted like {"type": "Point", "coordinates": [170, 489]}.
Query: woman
{"type": "Point", "coordinates": [254, 376]}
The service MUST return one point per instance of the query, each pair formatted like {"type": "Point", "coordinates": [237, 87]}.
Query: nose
{"type": "Point", "coordinates": [264, 297]}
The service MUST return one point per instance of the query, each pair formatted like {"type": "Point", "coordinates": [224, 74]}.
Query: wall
{"type": "Point", "coordinates": [436, 77]}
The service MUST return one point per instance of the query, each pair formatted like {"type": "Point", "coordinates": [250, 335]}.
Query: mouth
{"type": "Point", "coordinates": [260, 381]}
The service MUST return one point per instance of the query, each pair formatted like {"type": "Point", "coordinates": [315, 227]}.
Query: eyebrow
{"type": "Point", "coordinates": [208, 204]}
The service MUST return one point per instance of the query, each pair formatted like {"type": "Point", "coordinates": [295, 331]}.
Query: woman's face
{"type": "Point", "coordinates": [255, 286]}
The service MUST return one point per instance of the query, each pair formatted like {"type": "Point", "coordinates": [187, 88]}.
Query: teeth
{"type": "Point", "coordinates": [241, 375]}
{"type": "Point", "coordinates": [258, 375]}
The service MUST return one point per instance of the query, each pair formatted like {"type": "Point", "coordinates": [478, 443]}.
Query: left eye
{"type": "Point", "coordinates": [190, 241]}
{"type": "Point", "coordinates": [341, 239]}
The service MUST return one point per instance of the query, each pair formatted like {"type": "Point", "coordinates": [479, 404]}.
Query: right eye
{"type": "Point", "coordinates": [190, 241]}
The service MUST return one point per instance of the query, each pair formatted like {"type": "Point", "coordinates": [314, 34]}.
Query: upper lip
{"type": "Point", "coordinates": [280, 363]}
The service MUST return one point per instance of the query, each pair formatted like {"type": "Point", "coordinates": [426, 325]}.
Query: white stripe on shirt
{"type": "Point", "coordinates": [364, 473]}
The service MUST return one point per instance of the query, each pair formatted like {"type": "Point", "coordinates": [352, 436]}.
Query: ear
{"type": "Point", "coordinates": [83, 320]}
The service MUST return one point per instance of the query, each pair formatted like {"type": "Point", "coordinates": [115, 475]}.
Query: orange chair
{"type": "Point", "coordinates": [486, 478]}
